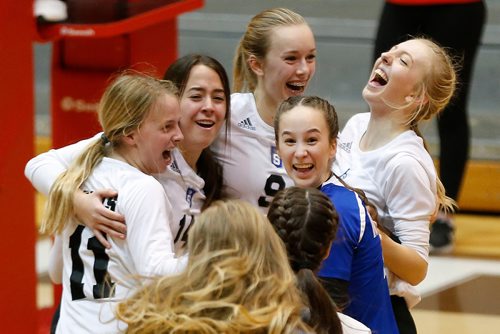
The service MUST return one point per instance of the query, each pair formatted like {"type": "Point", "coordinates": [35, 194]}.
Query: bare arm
{"type": "Point", "coordinates": [403, 261]}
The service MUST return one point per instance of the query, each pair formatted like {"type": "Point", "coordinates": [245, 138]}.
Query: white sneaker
{"type": "Point", "coordinates": [50, 10]}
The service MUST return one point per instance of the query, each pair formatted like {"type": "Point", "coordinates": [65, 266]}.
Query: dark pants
{"type": "Point", "coordinates": [405, 322]}
{"type": "Point", "coordinates": [458, 27]}
{"type": "Point", "coordinates": [55, 319]}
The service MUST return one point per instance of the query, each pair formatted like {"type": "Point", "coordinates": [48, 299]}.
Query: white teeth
{"type": "Point", "coordinates": [301, 166]}
{"type": "Point", "coordinates": [205, 123]}
{"type": "Point", "coordinates": [381, 74]}
{"type": "Point", "coordinates": [297, 84]}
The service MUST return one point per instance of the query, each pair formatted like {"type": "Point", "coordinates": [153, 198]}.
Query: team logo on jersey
{"type": "Point", "coordinates": [275, 158]}
{"type": "Point", "coordinates": [189, 195]}
{"type": "Point", "coordinates": [344, 174]}
{"type": "Point", "coordinates": [346, 146]}
{"type": "Point", "coordinates": [174, 167]}
{"type": "Point", "coordinates": [246, 124]}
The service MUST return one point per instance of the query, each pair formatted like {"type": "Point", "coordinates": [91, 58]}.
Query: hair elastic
{"type": "Point", "coordinates": [104, 139]}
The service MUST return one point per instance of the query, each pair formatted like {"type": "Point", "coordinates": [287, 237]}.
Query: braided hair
{"type": "Point", "coordinates": [307, 222]}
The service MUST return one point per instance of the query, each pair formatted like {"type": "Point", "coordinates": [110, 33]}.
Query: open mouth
{"type": "Point", "coordinates": [302, 168]}
{"type": "Point", "coordinates": [379, 78]}
{"type": "Point", "coordinates": [206, 124]}
{"type": "Point", "coordinates": [298, 87]}
{"type": "Point", "coordinates": [167, 154]}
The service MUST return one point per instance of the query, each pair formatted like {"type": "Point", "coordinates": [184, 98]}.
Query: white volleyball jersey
{"type": "Point", "coordinates": [94, 279]}
{"type": "Point", "coordinates": [399, 179]}
{"type": "Point", "coordinates": [253, 171]}
{"type": "Point", "coordinates": [182, 186]}
{"type": "Point", "coordinates": [184, 189]}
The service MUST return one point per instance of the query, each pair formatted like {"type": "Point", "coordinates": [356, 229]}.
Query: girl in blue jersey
{"type": "Point", "coordinates": [306, 131]}
{"type": "Point", "coordinates": [307, 222]}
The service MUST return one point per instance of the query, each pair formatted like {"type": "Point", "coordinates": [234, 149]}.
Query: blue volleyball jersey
{"type": "Point", "coordinates": [356, 257]}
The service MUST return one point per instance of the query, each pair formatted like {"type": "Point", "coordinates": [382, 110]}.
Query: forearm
{"type": "Point", "coordinates": [403, 261]}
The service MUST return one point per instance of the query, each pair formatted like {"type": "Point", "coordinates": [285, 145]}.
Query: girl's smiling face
{"type": "Point", "coordinates": [304, 146]}
{"type": "Point", "coordinates": [398, 73]}
{"type": "Point", "coordinates": [203, 108]}
{"type": "Point", "coordinates": [289, 64]}
{"type": "Point", "coordinates": [158, 135]}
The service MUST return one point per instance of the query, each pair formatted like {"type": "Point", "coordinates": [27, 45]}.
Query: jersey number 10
{"type": "Point", "coordinates": [103, 287]}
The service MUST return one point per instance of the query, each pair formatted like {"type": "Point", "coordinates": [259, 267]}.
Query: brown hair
{"type": "Point", "coordinates": [314, 102]}
{"type": "Point", "coordinates": [208, 167]}
{"type": "Point", "coordinates": [307, 222]}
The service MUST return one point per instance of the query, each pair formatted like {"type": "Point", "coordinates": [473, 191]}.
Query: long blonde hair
{"type": "Point", "coordinates": [237, 281]}
{"type": "Point", "coordinates": [123, 108]}
{"type": "Point", "coordinates": [434, 92]}
{"type": "Point", "coordinates": [256, 41]}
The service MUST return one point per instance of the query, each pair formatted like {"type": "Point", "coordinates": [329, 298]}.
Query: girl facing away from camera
{"type": "Point", "coordinates": [275, 59]}
{"type": "Point", "coordinates": [237, 280]}
{"type": "Point", "coordinates": [383, 153]}
{"type": "Point", "coordinates": [353, 273]}
{"type": "Point", "coordinates": [307, 222]}
{"type": "Point", "coordinates": [139, 116]}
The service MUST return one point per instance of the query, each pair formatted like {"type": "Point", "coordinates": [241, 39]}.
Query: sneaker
{"type": "Point", "coordinates": [50, 10]}
{"type": "Point", "coordinates": [442, 235]}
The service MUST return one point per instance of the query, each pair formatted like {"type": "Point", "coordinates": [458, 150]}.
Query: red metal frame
{"type": "Point", "coordinates": [18, 310]}
{"type": "Point", "coordinates": [57, 31]}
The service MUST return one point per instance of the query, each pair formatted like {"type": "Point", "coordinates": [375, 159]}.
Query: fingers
{"type": "Point", "coordinates": [111, 215]}
{"type": "Point", "coordinates": [103, 193]}
{"type": "Point", "coordinates": [102, 239]}
{"type": "Point", "coordinates": [90, 210]}
{"type": "Point", "coordinates": [114, 228]}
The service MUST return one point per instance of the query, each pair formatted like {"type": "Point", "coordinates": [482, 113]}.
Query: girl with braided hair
{"type": "Point", "coordinates": [306, 220]}
{"type": "Point", "coordinates": [306, 129]}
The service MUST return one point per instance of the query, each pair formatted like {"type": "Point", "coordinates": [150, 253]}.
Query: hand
{"type": "Point", "coordinates": [93, 214]}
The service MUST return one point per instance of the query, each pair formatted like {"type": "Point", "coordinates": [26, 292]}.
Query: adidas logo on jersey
{"type": "Point", "coordinates": [174, 167]}
{"type": "Point", "coordinates": [346, 146]}
{"type": "Point", "coordinates": [246, 124]}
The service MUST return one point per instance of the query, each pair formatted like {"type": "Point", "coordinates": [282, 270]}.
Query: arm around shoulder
{"type": "Point", "coordinates": [44, 169]}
